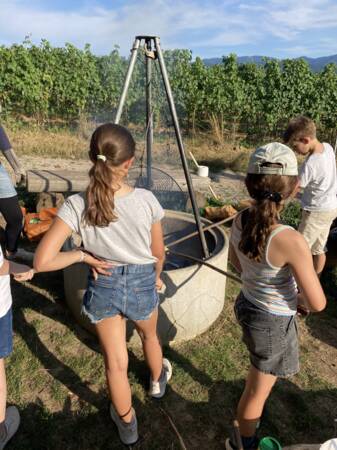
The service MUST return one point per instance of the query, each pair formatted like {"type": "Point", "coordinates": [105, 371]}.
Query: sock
{"type": "Point", "coordinates": [250, 443]}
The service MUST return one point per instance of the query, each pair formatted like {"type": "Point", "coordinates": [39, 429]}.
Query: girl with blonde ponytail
{"type": "Point", "coordinates": [123, 244]}
{"type": "Point", "coordinates": [273, 260]}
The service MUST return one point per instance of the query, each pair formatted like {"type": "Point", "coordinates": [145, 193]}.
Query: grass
{"type": "Point", "coordinates": [291, 214]}
{"type": "Point", "coordinates": [56, 377]}
{"type": "Point", "coordinates": [56, 374]}
{"type": "Point", "coordinates": [74, 142]}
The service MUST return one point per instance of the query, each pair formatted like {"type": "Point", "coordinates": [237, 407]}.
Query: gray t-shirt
{"type": "Point", "coordinates": [125, 241]}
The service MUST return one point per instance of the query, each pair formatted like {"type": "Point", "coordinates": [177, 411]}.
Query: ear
{"type": "Point", "coordinates": [296, 189]}
{"type": "Point", "coordinates": [305, 140]}
{"type": "Point", "coordinates": [127, 164]}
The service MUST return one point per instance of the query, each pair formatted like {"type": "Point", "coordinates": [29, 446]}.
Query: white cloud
{"type": "Point", "coordinates": [327, 46]}
{"type": "Point", "coordinates": [311, 14]}
{"type": "Point", "coordinates": [180, 24]}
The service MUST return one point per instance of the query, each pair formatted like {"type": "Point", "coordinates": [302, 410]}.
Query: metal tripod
{"type": "Point", "coordinates": [152, 52]}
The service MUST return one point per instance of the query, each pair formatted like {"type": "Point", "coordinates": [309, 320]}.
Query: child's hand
{"type": "Point", "coordinates": [160, 286]}
{"type": "Point", "coordinates": [97, 265]}
{"type": "Point", "coordinates": [24, 276]}
{"type": "Point", "coordinates": [302, 308]}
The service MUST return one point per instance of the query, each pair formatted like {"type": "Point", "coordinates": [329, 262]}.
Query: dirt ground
{"type": "Point", "coordinates": [227, 184]}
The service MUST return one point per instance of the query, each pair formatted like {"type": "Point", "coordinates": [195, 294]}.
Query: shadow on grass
{"type": "Point", "coordinates": [324, 325]}
{"type": "Point", "coordinates": [25, 298]}
{"type": "Point", "coordinates": [200, 403]}
{"type": "Point", "coordinates": [291, 415]}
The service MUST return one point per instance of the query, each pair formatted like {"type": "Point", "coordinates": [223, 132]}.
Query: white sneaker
{"type": "Point", "coordinates": [158, 388]}
{"type": "Point", "coordinates": [12, 422]}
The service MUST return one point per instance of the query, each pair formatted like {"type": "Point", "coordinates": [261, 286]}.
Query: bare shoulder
{"type": "Point", "coordinates": [292, 245]}
{"type": "Point", "coordinates": [289, 237]}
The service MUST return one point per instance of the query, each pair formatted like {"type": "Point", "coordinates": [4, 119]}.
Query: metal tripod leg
{"type": "Point", "coordinates": [132, 62]}
{"type": "Point", "coordinates": [149, 118]}
{"type": "Point", "coordinates": [181, 146]}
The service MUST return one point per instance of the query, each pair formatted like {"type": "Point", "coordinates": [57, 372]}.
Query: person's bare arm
{"type": "Point", "coordinates": [158, 250]}
{"type": "Point", "coordinates": [299, 258]}
{"type": "Point", "coordinates": [21, 272]}
{"type": "Point", "coordinates": [48, 256]}
{"type": "Point", "coordinates": [14, 163]}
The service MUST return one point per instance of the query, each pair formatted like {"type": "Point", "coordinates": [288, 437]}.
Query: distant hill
{"type": "Point", "coordinates": [316, 64]}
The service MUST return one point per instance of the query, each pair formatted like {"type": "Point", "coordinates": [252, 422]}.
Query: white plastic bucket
{"type": "Point", "coordinates": [329, 445]}
{"type": "Point", "coordinates": [203, 171]}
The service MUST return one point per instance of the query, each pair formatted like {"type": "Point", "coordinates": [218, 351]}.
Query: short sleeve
{"type": "Point", "coordinates": [4, 141]}
{"type": "Point", "coordinates": [69, 215]}
{"type": "Point", "coordinates": [156, 209]}
{"type": "Point", "coordinates": [305, 175]}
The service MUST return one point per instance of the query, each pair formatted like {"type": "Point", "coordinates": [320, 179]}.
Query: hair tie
{"type": "Point", "coordinates": [268, 195]}
{"type": "Point", "coordinates": [102, 157]}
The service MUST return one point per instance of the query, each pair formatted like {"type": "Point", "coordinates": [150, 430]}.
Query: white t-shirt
{"type": "Point", "coordinates": [125, 241]}
{"type": "Point", "coordinates": [5, 290]}
{"type": "Point", "coordinates": [319, 181]}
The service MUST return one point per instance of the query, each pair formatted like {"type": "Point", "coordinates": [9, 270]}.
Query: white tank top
{"type": "Point", "coordinates": [268, 287]}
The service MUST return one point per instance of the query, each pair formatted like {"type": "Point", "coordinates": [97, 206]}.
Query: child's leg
{"type": "Point", "coordinates": [319, 263]}
{"type": "Point", "coordinates": [112, 336]}
{"type": "Point", "coordinates": [10, 209]}
{"type": "Point", "coordinates": [315, 227]}
{"type": "Point", "coordinates": [257, 389]}
{"type": "Point", "coordinates": [147, 330]}
{"type": "Point", "coordinates": [3, 390]}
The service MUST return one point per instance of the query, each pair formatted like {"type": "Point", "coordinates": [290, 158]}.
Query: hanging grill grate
{"type": "Point", "coordinates": [161, 184]}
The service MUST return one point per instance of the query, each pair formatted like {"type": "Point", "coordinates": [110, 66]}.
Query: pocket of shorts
{"type": "Point", "coordinates": [257, 339]}
{"type": "Point", "coordinates": [147, 298]}
{"type": "Point", "coordinates": [87, 297]}
{"type": "Point", "coordinates": [99, 301]}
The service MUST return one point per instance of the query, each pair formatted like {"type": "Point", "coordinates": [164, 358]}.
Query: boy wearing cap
{"type": "Point", "coordinates": [319, 183]}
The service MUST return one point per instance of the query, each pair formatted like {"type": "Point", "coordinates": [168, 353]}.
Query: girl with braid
{"type": "Point", "coordinates": [273, 260]}
{"type": "Point", "coordinates": [123, 243]}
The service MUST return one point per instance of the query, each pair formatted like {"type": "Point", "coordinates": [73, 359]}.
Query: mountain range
{"type": "Point", "coordinates": [316, 64]}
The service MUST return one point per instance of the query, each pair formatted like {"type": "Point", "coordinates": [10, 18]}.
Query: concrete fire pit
{"type": "Point", "coordinates": [194, 295]}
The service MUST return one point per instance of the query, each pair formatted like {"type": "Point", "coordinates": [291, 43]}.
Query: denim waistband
{"type": "Point", "coordinates": [132, 268]}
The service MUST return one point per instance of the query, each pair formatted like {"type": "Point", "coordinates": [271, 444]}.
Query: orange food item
{"type": "Point", "coordinates": [219, 212]}
{"type": "Point", "coordinates": [37, 224]}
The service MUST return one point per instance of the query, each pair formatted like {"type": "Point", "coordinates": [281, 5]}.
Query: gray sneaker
{"type": "Point", "coordinates": [22, 255]}
{"type": "Point", "coordinates": [12, 422]}
{"type": "Point", "coordinates": [128, 432]}
{"type": "Point", "coordinates": [158, 388]}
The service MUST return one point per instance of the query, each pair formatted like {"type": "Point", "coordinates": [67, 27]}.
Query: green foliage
{"type": "Point", "coordinates": [291, 215]}
{"type": "Point", "coordinates": [46, 82]}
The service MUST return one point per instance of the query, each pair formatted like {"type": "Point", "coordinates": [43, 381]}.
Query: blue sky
{"type": "Point", "coordinates": [280, 28]}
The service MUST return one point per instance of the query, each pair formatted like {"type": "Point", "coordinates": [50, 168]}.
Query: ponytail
{"type": "Point", "coordinates": [110, 146]}
{"type": "Point", "coordinates": [269, 193]}
{"type": "Point", "coordinates": [257, 228]}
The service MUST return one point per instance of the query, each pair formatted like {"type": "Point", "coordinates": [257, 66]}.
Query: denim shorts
{"type": "Point", "coordinates": [130, 291]}
{"type": "Point", "coordinates": [6, 334]}
{"type": "Point", "coordinates": [6, 186]}
{"type": "Point", "coordinates": [270, 339]}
